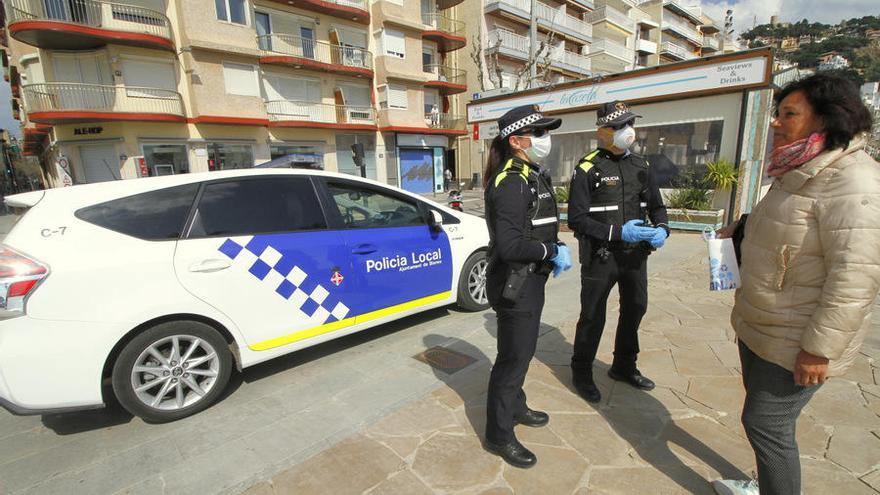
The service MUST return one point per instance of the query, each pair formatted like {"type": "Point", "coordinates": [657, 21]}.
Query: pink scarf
{"type": "Point", "coordinates": [791, 156]}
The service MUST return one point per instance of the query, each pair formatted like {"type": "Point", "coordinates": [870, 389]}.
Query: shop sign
{"type": "Point", "coordinates": [62, 167]}
{"type": "Point", "coordinates": [83, 131]}
{"type": "Point", "coordinates": [731, 74]}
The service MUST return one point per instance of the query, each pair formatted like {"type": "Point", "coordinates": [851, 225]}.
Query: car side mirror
{"type": "Point", "coordinates": [435, 220]}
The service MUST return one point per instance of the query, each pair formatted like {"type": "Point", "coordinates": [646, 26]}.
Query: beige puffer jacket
{"type": "Point", "coordinates": [811, 261]}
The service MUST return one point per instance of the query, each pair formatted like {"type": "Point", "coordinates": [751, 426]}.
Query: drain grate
{"type": "Point", "coordinates": [445, 360]}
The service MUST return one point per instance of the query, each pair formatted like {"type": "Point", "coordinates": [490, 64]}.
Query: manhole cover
{"type": "Point", "coordinates": [445, 360]}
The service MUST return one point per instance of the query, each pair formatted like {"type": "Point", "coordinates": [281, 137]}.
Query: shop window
{"type": "Point", "coordinates": [166, 159]}
{"type": "Point", "coordinates": [154, 216]}
{"type": "Point", "coordinates": [310, 156]}
{"type": "Point", "coordinates": [345, 162]}
{"type": "Point", "coordinates": [254, 206]}
{"type": "Point", "coordinates": [223, 156]}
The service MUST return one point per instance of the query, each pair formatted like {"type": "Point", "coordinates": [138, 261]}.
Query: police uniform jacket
{"type": "Point", "coordinates": [608, 190]}
{"type": "Point", "coordinates": [522, 217]}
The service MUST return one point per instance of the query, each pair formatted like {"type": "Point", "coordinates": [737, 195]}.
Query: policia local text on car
{"type": "Point", "coordinates": [523, 249]}
{"type": "Point", "coordinates": [612, 192]}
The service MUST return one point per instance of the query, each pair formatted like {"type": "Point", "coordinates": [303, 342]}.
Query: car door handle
{"type": "Point", "coordinates": [364, 249]}
{"type": "Point", "coordinates": [210, 265]}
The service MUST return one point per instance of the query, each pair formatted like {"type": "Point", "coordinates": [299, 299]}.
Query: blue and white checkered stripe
{"type": "Point", "coordinates": [288, 280]}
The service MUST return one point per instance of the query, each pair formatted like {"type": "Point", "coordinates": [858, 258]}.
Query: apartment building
{"type": "Point", "coordinates": [203, 85]}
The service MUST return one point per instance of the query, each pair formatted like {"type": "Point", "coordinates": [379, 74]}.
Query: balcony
{"type": "Point", "coordinates": [515, 46]}
{"type": "Point", "coordinates": [306, 53]}
{"type": "Point", "coordinates": [86, 24]}
{"type": "Point", "coordinates": [445, 122]}
{"type": "Point", "coordinates": [612, 49]}
{"type": "Point", "coordinates": [683, 29]}
{"type": "Point", "coordinates": [352, 10]}
{"type": "Point", "coordinates": [671, 50]}
{"type": "Point", "coordinates": [677, 6]}
{"type": "Point", "coordinates": [447, 4]}
{"type": "Point", "coordinates": [646, 46]}
{"type": "Point", "coordinates": [613, 16]}
{"type": "Point", "coordinates": [61, 102]}
{"type": "Point", "coordinates": [448, 80]}
{"type": "Point", "coordinates": [292, 113]}
{"type": "Point", "coordinates": [711, 44]}
{"type": "Point", "coordinates": [448, 33]}
{"type": "Point", "coordinates": [572, 62]}
{"type": "Point", "coordinates": [549, 18]}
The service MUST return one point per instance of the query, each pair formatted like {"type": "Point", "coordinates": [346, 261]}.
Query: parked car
{"type": "Point", "coordinates": [162, 285]}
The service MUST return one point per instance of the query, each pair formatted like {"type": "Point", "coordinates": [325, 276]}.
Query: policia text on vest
{"type": "Point", "coordinates": [607, 191]}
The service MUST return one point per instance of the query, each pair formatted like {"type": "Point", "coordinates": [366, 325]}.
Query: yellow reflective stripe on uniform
{"type": "Point", "coordinates": [524, 173]}
{"type": "Point", "coordinates": [586, 164]}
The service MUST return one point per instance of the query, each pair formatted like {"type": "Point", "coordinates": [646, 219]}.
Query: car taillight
{"type": "Point", "coordinates": [19, 275]}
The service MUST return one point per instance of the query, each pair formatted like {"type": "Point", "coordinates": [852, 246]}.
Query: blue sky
{"type": "Point", "coordinates": [6, 120]}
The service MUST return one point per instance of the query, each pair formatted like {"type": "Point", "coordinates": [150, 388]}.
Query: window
{"type": "Point", "coordinates": [223, 156]}
{"type": "Point", "coordinates": [241, 79]}
{"type": "Point", "coordinates": [301, 155]}
{"type": "Point", "coordinates": [232, 11]}
{"type": "Point", "coordinates": [166, 159]}
{"type": "Point", "coordinates": [363, 208]}
{"type": "Point", "coordinates": [394, 43]}
{"type": "Point", "coordinates": [148, 78]}
{"type": "Point", "coordinates": [153, 216]}
{"type": "Point", "coordinates": [396, 96]}
{"type": "Point", "coordinates": [254, 206]}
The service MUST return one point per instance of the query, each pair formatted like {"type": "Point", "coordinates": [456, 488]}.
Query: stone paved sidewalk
{"type": "Point", "coordinates": [668, 441]}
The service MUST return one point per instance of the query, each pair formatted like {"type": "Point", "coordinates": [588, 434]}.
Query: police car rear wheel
{"type": "Point", "coordinates": [172, 370]}
{"type": "Point", "coordinates": [472, 283]}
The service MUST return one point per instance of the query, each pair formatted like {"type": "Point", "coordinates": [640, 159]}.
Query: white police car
{"type": "Point", "coordinates": [162, 285]}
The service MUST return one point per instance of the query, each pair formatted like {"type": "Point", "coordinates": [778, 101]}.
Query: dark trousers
{"type": "Point", "coordinates": [773, 405]}
{"type": "Point", "coordinates": [518, 325]}
{"type": "Point", "coordinates": [628, 269]}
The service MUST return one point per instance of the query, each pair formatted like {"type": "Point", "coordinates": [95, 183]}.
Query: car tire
{"type": "Point", "coordinates": [192, 362]}
{"type": "Point", "coordinates": [472, 283]}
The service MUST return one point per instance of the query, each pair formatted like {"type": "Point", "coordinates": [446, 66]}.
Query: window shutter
{"type": "Point", "coordinates": [241, 79]}
{"type": "Point", "coordinates": [395, 43]}
{"type": "Point", "coordinates": [397, 97]}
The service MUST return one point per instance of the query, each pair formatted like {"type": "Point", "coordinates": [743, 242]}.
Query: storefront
{"type": "Point", "coordinates": [421, 162]}
{"type": "Point", "coordinates": [693, 113]}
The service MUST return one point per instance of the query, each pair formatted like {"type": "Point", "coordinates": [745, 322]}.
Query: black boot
{"type": "Point", "coordinates": [586, 387]}
{"type": "Point", "coordinates": [633, 377]}
{"type": "Point", "coordinates": [513, 452]}
{"type": "Point", "coordinates": [532, 418]}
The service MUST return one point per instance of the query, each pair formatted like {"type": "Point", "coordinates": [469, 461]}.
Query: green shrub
{"type": "Point", "coordinates": [561, 192]}
{"type": "Point", "coordinates": [690, 192]}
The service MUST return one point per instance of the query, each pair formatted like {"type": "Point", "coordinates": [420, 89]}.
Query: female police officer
{"type": "Point", "coordinates": [523, 250]}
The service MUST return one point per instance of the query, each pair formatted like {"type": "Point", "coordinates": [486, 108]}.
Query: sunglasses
{"type": "Point", "coordinates": [533, 133]}
{"type": "Point", "coordinates": [621, 126]}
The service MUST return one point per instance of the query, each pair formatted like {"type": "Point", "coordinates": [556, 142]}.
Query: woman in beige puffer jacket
{"type": "Point", "coordinates": [810, 270]}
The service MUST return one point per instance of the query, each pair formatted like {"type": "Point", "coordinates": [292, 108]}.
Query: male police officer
{"type": "Point", "coordinates": [612, 192]}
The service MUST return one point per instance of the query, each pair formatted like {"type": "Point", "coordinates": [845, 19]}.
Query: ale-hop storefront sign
{"type": "Point", "coordinates": [716, 74]}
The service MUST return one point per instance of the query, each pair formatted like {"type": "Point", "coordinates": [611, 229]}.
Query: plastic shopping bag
{"type": "Point", "coordinates": [723, 269]}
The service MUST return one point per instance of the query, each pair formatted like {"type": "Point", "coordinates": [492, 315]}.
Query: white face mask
{"type": "Point", "coordinates": [624, 138]}
{"type": "Point", "coordinates": [540, 148]}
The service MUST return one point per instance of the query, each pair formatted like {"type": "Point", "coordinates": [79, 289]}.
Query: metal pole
{"type": "Point", "coordinates": [533, 43]}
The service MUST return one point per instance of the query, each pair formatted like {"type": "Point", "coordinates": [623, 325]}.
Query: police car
{"type": "Point", "coordinates": [160, 286]}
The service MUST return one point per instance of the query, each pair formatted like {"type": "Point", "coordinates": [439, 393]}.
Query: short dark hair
{"type": "Point", "coordinates": [836, 101]}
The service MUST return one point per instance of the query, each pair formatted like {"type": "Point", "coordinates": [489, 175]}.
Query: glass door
{"type": "Point", "coordinates": [264, 29]}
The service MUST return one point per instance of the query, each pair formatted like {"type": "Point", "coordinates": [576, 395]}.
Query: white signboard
{"type": "Point", "coordinates": [720, 75]}
{"type": "Point", "coordinates": [62, 167]}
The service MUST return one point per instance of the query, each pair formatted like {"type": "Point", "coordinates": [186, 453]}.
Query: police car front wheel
{"type": "Point", "coordinates": [172, 370]}
{"type": "Point", "coordinates": [472, 283]}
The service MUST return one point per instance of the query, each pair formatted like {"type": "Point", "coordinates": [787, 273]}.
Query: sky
{"type": "Point", "coordinates": [824, 11]}
{"type": "Point", "coordinates": [6, 120]}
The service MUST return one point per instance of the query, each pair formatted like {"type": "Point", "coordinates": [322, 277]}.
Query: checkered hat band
{"type": "Point", "coordinates": [519, 124]}
{"type": "Point", "coordinates": [613, 115]}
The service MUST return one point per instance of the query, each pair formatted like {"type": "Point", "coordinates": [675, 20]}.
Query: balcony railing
{"type": "Point", "coordinates": [93, 13]}
{"type": "Point", "coordinates": [676, 51]}
{"type": "Point", "coordinates": [556, 16]}
{"type": "Point", "coordinates": [682, 28]}
{"type": "Point", "coordinates": [646, 46]}
{"type": "Point", "coordinates": [357, 4]}
{"type": "Point", "coordinates": [444, 24]}
{"type": "Point", "coordinates": [612, 48]}
{"type": "Point", "coordinates": [576, 60]}
{"type": "Point", "coordinates": [559, 58]}
{"type": "Point", "coordinates": [508, 40]}
{"type": "Point", "coordinates": [640, 15]}
{"type": "Point", "coordinates": [307, 111]}
{"type": "Point", "coordinates": [443, 73]}
{"type": "Point", "coordinates": [612, 15]}
{"type": "Point", "coordinates": [62, 96]}
{"type": "Point", "coordinates": [679, 6]}
{"type": "Point", "coordinates": [437, 120]}
{"type": "Point", "coordinates": [711, 42]}
{"type": "Point", "coordinates": [319, 51]}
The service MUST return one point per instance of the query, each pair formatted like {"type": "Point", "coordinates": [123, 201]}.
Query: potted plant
{"type": "Point", "coordinates": [722, 175]}
{"type": "Point", "coordinates": [689, 205]}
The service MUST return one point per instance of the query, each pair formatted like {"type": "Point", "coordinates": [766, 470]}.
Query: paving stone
{"type": "Point", "coordinates": [652, 340]}
{"type": "Point", "coordinates": [667, 481]}
{"type": "Point", "coordinates": [854, 449]}
{"type": "Point", "coordinates": [812, 438]}
{"type": "Point", "coordinates": [261, 488]}
{"type": "Point", "coordinates": [538, 436]}
{"type": "Point", "coordinates": [698, 360]}
{"type": "Point", "coordinates": [418, 419]}
{"type": "Point", "coordinates": [449, 462]}
{"type": "Point", "coordinates": [559, 470]}
{"type": "Point", "coordinates": [472, 419]}
{"type": "Point", "coordinates": [553, 399]}
{"type": "Point", "coordinates": [402, 446]}
{"type": "Point", "coordinates": [872, 479]}
{"type": "Point", "coordinates": [860, 371]}
{"type": "Point", "coordinates": [659, 366]}
{"type": "Point", "coordinates": [150, 486]}
{"type": "Point", "coordinates": [497, 491]}
{"type": "Point", "coordinates": [688, 336]}
{"type": "Point", "coordinates": [821, 477]}
{"type": "Point", "coordinates": [841, 403]}
{"type": "Point", "coordinates": [720, 393]}
{"type": "Point", "coordinates": [661, 400]}
{"type": "Point", "coordinates": [727, 352]}
{"type": "Point", "coordinates": [352, 466]}
{"type": "Point", "coordinates": [403, 482]}
{"type": "Point", "coordinates": [593, 438]}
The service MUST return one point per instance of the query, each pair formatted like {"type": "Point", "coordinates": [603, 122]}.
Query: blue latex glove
{"type": "Point", "coordinates": [634, 232]}
{"type": "Point", "coordinates": [659, 238]}
{"type": "Point", "coordinates": [562, 260]}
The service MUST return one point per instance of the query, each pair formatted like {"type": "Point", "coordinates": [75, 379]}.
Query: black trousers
{"type": "Point", "coordinates": [628, 269]}
{"type": "Point", "coordinates": [518, 325]}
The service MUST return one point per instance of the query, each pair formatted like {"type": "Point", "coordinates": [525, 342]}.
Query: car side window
{"type": "Point", "coordinates": [257, 206]}
{"type": "Point", "coordinates": [364, 208]}
{"type": "Point", "coordinates": [154, 216]}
